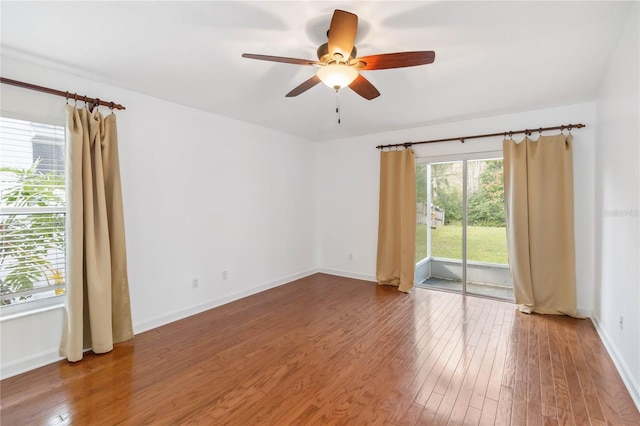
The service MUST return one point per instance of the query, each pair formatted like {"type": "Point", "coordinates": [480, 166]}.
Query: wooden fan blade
{"type": "Point", "coordinates": [342, 33]}
{"type": "Point", "coordinates": [283, 59]}
{"type": "Point", "coordinates": [364, 88]}
{"type": "Point", "coordinates": [303, 87]}
{"type": "Point", "coordinates": [396, 60]}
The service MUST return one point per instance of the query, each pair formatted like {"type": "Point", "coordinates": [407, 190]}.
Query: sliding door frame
{"type": "Point", "coordinates": [464, 158]}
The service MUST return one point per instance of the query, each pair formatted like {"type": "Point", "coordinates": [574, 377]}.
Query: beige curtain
{"type": "Point", "coordinates": [538, 179]}
{"type": "Point", "coordinates": [97, 311]}
{"type": "Point", "coordinates": [397, 220]}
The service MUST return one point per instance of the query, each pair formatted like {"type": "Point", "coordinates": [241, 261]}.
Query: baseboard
{"type": "Point", "coordinates": [632, 385]}
{"type": "Point", "coordinates": [29, 363]}
{"type": "Point", "coordinates": [348, 274]}
{"type": "Point", "coordinates": [170, 317]}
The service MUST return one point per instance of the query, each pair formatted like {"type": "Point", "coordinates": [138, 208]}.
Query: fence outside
{"type": "Point", "coordinates": [433, 216]}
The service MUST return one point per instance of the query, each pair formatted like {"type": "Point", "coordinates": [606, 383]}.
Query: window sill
{"type": "Point", "coordinates": [12, 312]}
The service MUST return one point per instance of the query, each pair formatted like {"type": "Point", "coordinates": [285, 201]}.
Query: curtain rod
{"type": "Point", "coordinates": [93, 102]}
{"type": "Point", "coordinates": [487, 135]}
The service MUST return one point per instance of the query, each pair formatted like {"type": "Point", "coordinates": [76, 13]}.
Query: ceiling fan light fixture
{"type": "Point", "coordinates": [337, 76]}
{"type": "Point", "coordinates": [339, 69]}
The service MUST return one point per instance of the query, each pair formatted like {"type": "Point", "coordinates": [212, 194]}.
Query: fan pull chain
{"type": "Point", "coordinates": [338, 106]}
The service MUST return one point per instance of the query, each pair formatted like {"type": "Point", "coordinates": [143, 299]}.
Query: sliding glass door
{"type": "Point", "coordinates": [461, 238]}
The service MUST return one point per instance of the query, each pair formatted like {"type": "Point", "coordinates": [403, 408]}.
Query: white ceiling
{"type": "Point", "coordinates": [491, 57]}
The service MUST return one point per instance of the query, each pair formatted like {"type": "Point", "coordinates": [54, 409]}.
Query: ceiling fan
{"type": "Point", "coordinates": [339, 65]}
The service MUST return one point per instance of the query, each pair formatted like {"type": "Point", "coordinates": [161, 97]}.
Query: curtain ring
{"type": "Point", "coordinates": [75, 99]}
{"type": "Point", "coordinates": [66, 96]}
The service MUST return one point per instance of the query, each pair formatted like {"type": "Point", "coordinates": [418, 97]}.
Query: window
{"type": "Point", "coordinates": [32, 211]}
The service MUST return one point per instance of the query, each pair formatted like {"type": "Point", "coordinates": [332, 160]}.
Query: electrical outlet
{"type": "Point", "coordinates": [621, 322]}
{"type": "Point", "coordinates": [195, 283]}
{"type": "Point", "coordinates": [225, 275]}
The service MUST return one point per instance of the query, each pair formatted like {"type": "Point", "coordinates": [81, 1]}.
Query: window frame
{"type": "Point", "coordinates": [35, 306]}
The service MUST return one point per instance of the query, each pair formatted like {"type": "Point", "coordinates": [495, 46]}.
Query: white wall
{"type": "Point", "coordinates": [617, 253]}
{"type": "Point", "coordinates": [202, 194]}
{"type": "Point", "coordinates": [348, 184]}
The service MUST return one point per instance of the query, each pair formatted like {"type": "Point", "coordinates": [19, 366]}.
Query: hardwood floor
{"type": "Point", "coordinates": [333, 350]}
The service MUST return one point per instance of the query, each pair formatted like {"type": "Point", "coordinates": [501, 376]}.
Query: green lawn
{"type": "Point", "coordinates": [486, 244]}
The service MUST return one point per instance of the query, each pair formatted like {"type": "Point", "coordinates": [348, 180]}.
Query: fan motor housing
{"type": "Point", "coordinates": [323, 54]}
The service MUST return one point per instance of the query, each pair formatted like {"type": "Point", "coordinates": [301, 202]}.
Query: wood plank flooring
{"type": "Point", "coordinates": [331, 350]}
